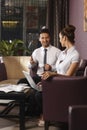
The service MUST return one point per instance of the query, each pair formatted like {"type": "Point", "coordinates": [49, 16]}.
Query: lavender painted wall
{"type": "Point", "coordinates": [76, 16]}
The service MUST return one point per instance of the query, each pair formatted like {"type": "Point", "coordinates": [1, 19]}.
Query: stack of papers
{"type": "Point", "coordinates": [10, 87]}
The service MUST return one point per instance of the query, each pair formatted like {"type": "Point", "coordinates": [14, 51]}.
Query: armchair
{"type": "Point", "coordinates": [58, 94]}
{"type": "Point", "coordinates": [78, 117]}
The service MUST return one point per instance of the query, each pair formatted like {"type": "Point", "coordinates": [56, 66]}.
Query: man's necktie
{"type": "Point", "coordinates": [45, 56]}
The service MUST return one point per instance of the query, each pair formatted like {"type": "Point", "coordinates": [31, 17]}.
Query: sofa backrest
{"type": "Point", "coordinates": [85, 71]}
{"type": "Point", "coordinates": [81, 69]}
{"type": "Point", "coordinates": [14, 66]}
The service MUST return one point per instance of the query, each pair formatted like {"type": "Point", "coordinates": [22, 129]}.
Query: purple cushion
{"type": "Point", "coordinates": [3, 74]}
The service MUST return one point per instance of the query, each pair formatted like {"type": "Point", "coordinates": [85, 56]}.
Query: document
{"type": "Point", "coordinates": [10, 87]}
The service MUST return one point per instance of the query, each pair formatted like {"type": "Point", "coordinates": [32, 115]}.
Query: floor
{"type": "Point", "coordinates": [13, 124]}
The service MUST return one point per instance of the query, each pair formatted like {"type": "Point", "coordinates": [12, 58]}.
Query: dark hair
{"type": "Point", "coordinates": [69, 31]}
{"type": "Point", "coordinates": [44, 30]}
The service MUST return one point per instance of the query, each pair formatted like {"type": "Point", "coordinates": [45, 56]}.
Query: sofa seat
{"type": "Point", "coordinates": [11, 68]}
{"type": "Point", "coordinates": [7, 81]}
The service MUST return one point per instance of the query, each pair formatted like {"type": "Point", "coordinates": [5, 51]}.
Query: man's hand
{"type": "Point", "coordinates": [31, 60]}
{"type": "Point", "coordinates": [47, 67]}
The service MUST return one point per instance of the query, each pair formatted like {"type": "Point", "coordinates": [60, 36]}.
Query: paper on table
{"type": "Point", "coordinates": [6, 101]}
{"type": "Point", "coordinates": [10, 87]}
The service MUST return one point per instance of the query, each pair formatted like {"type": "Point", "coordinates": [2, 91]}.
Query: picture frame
{"type": "Point", "coordinates": [85, 15]}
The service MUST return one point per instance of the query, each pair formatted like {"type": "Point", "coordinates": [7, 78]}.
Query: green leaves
{"type": "Point", "coordinates": [13, 48]}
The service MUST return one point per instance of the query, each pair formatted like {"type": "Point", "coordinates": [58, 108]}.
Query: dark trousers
{"type": "Point", "coordinates": [38, 97]}
{"type": "Point", "coordinates": [34, 107]}
{"type": "Point", "coordinates": [36, 79]}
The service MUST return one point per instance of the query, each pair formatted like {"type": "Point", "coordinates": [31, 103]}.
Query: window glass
{"type": "Point", "coordinates": [22, 19]}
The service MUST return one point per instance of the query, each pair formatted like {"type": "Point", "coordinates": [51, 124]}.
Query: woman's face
{"type": "Point", "coordinates": [62, 40]}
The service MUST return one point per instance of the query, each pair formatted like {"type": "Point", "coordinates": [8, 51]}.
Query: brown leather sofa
{"type": "Point", "coordinates": [11, 68]}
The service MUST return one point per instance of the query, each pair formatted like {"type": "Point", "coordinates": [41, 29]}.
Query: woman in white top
{"type": "Point", "coordinates": [67, 62]}
{"type": "Point", "coordinates": [68, 59]}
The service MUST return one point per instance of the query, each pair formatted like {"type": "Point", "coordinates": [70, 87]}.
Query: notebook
{"type": "Point", "coordinates": [31, 81]}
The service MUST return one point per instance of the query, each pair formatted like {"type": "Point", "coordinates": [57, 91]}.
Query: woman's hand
{"type": "Point", "coordinates": [46, 75]}
{"type": "Point", "coordinates": [39, 86]}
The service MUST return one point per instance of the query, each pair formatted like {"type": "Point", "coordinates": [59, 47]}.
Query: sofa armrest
{"type": "Point", "coordinates": [3, 73]}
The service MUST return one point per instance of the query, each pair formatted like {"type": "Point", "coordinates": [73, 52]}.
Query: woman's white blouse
{"type": "Point", "coordinates": [65, 59]}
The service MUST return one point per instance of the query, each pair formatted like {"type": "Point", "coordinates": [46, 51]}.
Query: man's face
{"type": "Point", "coordinates": [44, 39]}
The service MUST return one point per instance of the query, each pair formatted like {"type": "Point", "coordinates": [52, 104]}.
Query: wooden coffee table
{"type": "Point", "coordinates": [20, 98]}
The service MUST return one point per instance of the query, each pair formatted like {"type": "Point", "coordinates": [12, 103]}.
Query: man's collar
{"type": "Point", "coordinates": [46, 47]}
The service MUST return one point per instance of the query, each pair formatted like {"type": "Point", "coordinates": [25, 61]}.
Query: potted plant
{"type": "Point", "coordinates": [13, 48]}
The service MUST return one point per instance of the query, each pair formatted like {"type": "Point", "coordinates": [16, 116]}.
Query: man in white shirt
{"type": "Point", "coordinates": [46, 63]}
{"type": "Point", "coordinates": [38, 54]}
{"type": "Point", "coordinates": [37, 58]}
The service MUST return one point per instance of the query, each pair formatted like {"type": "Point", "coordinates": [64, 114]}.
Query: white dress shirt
{"type": "Point", "coordinates": [65, 59]}
{"type": "Point", "coordinates": [52, 56]}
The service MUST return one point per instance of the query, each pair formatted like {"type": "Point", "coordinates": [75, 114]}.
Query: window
{"type": "Point", "coordinates": [22, 19]}
{"type": "Point", "coordinates": [35, 15]}
{"type": "Point", "coordinates": [11, 20]}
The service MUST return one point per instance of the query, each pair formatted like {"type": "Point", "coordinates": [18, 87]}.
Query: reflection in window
{"type": "Point", "coordinates": [35, 19]}
{"type": "Point", "coordinates": [20, 18]}
{"type": "Point", "coordinates": [11, 20]}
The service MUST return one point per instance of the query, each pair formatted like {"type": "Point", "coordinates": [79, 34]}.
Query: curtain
{"type": "Point", "coordinates": [57, 18]}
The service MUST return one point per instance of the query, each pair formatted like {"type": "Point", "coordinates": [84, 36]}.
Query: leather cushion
{"type": "Point", "coordinates": [15, 65]}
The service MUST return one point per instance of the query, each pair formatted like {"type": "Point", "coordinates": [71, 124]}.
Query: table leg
{"type": "Point", "coordinates": [22, 115]}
